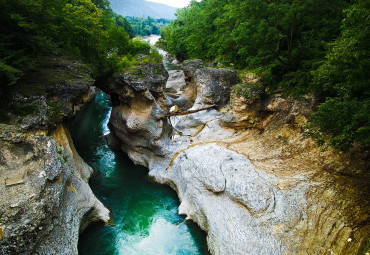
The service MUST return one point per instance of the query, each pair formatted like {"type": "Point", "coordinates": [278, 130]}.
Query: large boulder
{"type": "Point", "coordinates": [189, 94]}
{"type": "Point", "coordinates": [213, 85]}
{"type": "Point", "coordinates": [205, 86]}
{"type": "Point", "coordinates": [144, 77]}
{"type": "Point", "coordinates": [190, 68]}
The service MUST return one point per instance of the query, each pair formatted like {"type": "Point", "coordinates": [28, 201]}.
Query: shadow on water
{"type": "Point", "coordinates": [145, 219]}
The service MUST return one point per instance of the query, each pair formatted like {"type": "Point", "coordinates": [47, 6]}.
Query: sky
{"type": "Point", "coordinates": [175, 3]}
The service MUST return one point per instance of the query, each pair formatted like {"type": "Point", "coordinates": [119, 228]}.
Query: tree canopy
{"type": "Point", "coordinates": [86, 29]}
{"type": "Point", "coordinates": [147, 26]}
{"type": "Point", "coordinates": [344, 78]}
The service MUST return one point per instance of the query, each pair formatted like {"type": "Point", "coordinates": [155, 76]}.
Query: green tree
{"type": "Point", "coordinates": [120, 21]}
{"type": "Point", "coordinates": [146, 26]}
{"type": "Point", "coordinates": [82, 28]}
{"type": "Point", "coordinates": [27, 31]}
{"type": "Point", "coordinates": [344, 77]}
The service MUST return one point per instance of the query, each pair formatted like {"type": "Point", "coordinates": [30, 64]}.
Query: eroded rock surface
{"type": "Point", "coordinates": [246, 173]}
{"type": "Point", "coordinates": [44, 195]}
{"type": "Point", "coordinates": [45, 199]}
{"type": "Point", "coordinates": [189, 94]}
{"type": "Point", "coordinates": [176, 81]}
{"type": "Point", "coordinates": [238, 205]}
{"type": "Point", "coordinates": [57, 88]}
{"type": "Point", "coordinates": [139, 100]}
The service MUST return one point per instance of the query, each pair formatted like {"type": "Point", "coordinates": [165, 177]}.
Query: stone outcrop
{"type": "Point", "coordinates": [45, 199]}
{"type": "Point", "coordinates": [56, 89]}
{"type": "Point", "coordinates": [137, 101]}
{"type": "Point", "coordinates": [246, 173]}
{"type": "Point", "coordinates": [213, 85]}
{"type": "Point", "coordinates": [205, 86]}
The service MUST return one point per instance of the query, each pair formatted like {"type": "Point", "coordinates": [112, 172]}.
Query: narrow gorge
{"type": "Point", "coordinates": [238, 127]}
{"type": "Point", "coordinates": [144, 217]}
{"type": "Point", "coordinates": [244, 171]}
{"type": "Point", "coordinates": [243, 168]}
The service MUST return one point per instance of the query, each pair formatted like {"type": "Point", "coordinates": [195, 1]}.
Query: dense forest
{"type": "Point", "coordinates": [81, 29]}
{"type": "Point", "coordinates": [147, 26]}
{"type": "Point", "coordinates": [298, 46]}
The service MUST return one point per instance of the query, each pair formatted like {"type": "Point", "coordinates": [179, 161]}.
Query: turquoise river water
{"type": "Point", "coordinates": [144, 214]}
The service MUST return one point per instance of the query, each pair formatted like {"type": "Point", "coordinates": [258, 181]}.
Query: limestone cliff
{"type": "Point", "coordinates": [45, 199]}
{"type": "Point", "coordinates": [245, 172]}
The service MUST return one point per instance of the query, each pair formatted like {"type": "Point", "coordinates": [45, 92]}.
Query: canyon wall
{"type": "Point", "coordinates": [45, 199]}
{"type": "Point", "coordinates": [244, 170]}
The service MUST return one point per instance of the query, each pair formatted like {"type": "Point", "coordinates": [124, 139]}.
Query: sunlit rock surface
{"type": "Point", "coordinates": [246, 172]}
{"type": "Point", "coordinates": [189, 94]}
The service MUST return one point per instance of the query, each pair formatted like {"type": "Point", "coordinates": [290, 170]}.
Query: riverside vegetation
{"type": "Point", "coordinates": [313, 46]}
{"type": "Point", "coordinates": [147, 26]}
{"type": "Point", "coordinates": [82, 29]}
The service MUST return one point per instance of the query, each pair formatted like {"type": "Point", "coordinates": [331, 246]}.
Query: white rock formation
{"type": "Point", "coordinates": [276, 204]}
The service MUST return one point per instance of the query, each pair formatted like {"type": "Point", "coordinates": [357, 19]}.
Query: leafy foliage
{"type": "Point", "coordinates": [155, 56]}
{"type": "Point", "coordinates": [138, 45]}
{"type": "Point", "coordinates": [283, 36]}
{"type": "Point", "coordinates": [344, 77]}
{"type": "Point", "coordinates": [146, 26]}
{"type": "Point", "coordinates": [120, 21]}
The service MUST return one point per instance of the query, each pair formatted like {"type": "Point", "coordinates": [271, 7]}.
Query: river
{"type": "Point", "coordinates": [166, 62]}
{"type": "Point", "coordinates": [144, 214]}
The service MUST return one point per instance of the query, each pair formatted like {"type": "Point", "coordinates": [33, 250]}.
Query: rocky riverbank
{"type": "Point", "coordinates": [45, 199]}
{"type": "Point", "coordinates": [245, 171]}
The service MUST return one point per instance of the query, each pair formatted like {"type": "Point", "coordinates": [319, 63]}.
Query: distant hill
{"type": "Point", "coordinates": [142, 8]}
